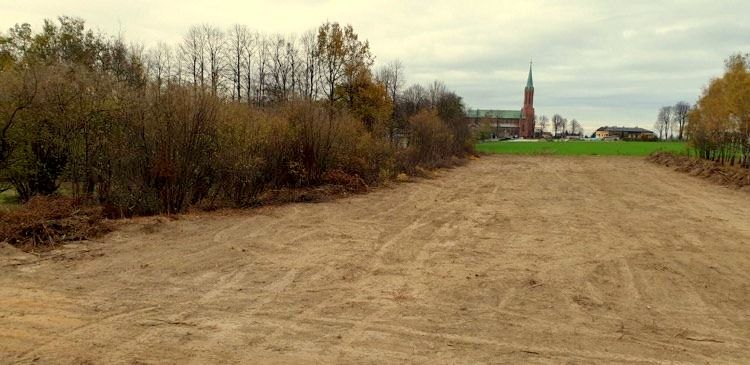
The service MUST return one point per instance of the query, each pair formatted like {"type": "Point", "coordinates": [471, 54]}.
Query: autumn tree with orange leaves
{"type": "Point", "coordinates": [719, 125]}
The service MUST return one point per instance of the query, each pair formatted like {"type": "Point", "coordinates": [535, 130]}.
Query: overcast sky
{"type": "Point", "coordinates": [601, 62]}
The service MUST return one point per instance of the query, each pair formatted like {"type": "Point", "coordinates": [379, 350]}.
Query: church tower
{"type": "Point", "coordinates": [526, 124]}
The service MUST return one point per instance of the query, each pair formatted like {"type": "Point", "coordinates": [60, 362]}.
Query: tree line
{"type": "Point", "coordinates": [719, 124]}
{"type": "Point", "coordinates": [219, 118]}
{"type": "Point", "coordinates": [671, 120]}
{"type": "Point", "coordinates": [559, 125]}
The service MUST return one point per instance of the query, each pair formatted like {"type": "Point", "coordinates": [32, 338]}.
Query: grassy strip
{"type": "Point", "coordinates": [582, 148]}
{"type": "Point", "coordinates": [8, 197]}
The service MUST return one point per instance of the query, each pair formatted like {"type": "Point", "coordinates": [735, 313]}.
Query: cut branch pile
{"type": "Point", "coordinates": [713, 171]}
{"type": "Point", "coordinates": [44, 222]}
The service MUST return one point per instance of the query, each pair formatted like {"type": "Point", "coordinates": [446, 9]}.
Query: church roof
{"type": "Point", "coordinates": [530, 81]}
{"type": "Point", "coordinates": [493, 113]}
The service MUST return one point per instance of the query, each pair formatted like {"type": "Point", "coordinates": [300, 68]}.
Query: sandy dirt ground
{"type": "Point", "coordinates": [506, 260]}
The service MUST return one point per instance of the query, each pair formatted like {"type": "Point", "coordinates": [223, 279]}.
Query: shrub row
{"type": "Point", "coordinates": [162, 150]}
{"type": "Point", "coordinates": [84, 111]}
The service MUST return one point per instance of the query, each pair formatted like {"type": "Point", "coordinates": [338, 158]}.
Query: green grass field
{"type": "Point", "coordinates": [581, 148]}
{"type": "Point", "coordinates": [9, 198]}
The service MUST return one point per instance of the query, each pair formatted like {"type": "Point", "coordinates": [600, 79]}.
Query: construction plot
{"type": "Point", "coordinates": [507, 259]}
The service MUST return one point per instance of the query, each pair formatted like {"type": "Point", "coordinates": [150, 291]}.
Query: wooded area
{"type": "Point", "coordinates": [216, 119]}
{"type": "Point", "coordinates": [719, 125]}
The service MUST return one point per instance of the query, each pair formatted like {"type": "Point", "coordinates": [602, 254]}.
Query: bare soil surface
{"type": "Point", "coordinates": [508, 259]}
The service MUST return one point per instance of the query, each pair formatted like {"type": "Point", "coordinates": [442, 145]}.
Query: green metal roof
{"type": "Point", "coordinates": [493, 113]}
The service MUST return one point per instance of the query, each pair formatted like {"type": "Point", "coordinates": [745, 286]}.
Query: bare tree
{"type": "Point", "coordinates": [279, 70]}
{"type": "Point", "coordinates": [283, 67]}
{"type": "Point", "coordinates": [215, 44]}
{"type": "Point", "coordinates": [250, 50]}
{"type": "Point", "coordinates": [391, 75]}
{"type": "Point", "coordinates": [575, 127]}
{"type": "Point", "coordinates": [262, 65]}
{"type": "Point", "coordinates": [672, 126]}
{"type": "Point", "coordinates": [159, 64]}
{"type": "Point", "coordinates": [558, 123]}
{"type": "Point", "coordinates": [681, 110]}
{"type": "Point", "coordinates": [436, 91]}
{"type": "Point", "coordinates": [238, 38]}
{"type": "Point", "coordinates": [137, 55]}
{"type": "Point", "coordinates": [310, 65]}
{"type": "Point", "coordinates": [543, 122]}
{"type": "Point", "coordinates": [193, 56]}
{"type": "Point", "coordinates": [663, 121]}
{"type": "Point", "coordinates": [414, 98]}
{"type": "Point", "coordinates": [293, 63]}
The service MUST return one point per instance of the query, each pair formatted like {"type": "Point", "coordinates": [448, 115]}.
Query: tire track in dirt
{"type": "Point", "coordinates": [509, 259]}
{"type": "Point", "coordinates": [358, 332]}
{"type": "Point", "coordinates": [372, 263]}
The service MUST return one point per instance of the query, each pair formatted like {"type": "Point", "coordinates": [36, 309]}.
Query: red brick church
{"type": "Point", "coordinates": [507, 123]}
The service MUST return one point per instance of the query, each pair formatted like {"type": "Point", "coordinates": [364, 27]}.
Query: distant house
{"type": "Point", "coordinates": [626, 133]}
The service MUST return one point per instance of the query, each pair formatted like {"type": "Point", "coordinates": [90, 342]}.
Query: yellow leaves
{"type": "Point", "coordinates": [720, 122]}
{"type": "Point", "coordinates": [723, 107]}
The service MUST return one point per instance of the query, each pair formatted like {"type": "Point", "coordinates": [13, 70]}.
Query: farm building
{"type": "Point", "coordinates": [507, 123]}
{"type": "Point", "coordinates": [627, 133]}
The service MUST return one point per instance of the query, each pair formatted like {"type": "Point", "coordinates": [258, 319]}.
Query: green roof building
{"type": "Point", "coordinates": [503, 123]}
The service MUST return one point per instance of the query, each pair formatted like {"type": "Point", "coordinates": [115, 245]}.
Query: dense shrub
{"type": "Point", "coordinates": [372, 159]}
{"type": "Point", "coordinates": [320, 133]}
{"type": "Point", "coordinates": [37, 166]}
{"type": "Point", "coordinates": [450, 110]}
{"type": "Point", "coordinates": [254, 153]}
{"type": "Point", "coordinates": [430, 142]}
{"type": "Point", "coordinates": [161, 159]}
{"type": "Point", "coordinates": [169, 150]}
{"type": "Point", "coordinates": [40, 150]}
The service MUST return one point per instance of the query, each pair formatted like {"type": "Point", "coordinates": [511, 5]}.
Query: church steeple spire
{"type": "Point", "coordinates": [530, 81]}
{"type": "Point", "coordinates": [526, 124]}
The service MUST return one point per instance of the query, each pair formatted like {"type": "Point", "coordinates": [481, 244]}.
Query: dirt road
{"type": "Point", "coordinates": [505, 260]}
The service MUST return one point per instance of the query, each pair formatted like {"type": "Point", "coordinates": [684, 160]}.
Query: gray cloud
{"type": "Point", "coordinates": [602, 62]}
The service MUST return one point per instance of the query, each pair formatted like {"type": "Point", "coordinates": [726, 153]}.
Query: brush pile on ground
{"type": "Point", "coordinates": [45, 221]}
{"type": "Point", "coordinates": [712, 170]}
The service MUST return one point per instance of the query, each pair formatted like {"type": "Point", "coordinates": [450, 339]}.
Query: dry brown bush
{"type": "Point", "coordinates": [363, 155]}
{"type": "Point", "coordinates": [320, 133]}
{"type": "Point", "coordinates": [46, 221]}
{"type": "Point", "coordinates": [430, 143]}
{"type": "Point", "coordinates": [350, 182]}
{"type": "Point", "coordinates": [161, 157]}
{"type": "Point", "coordinates": [253, 154]}
{"type": "Point", "coordinates": [329, 139]}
